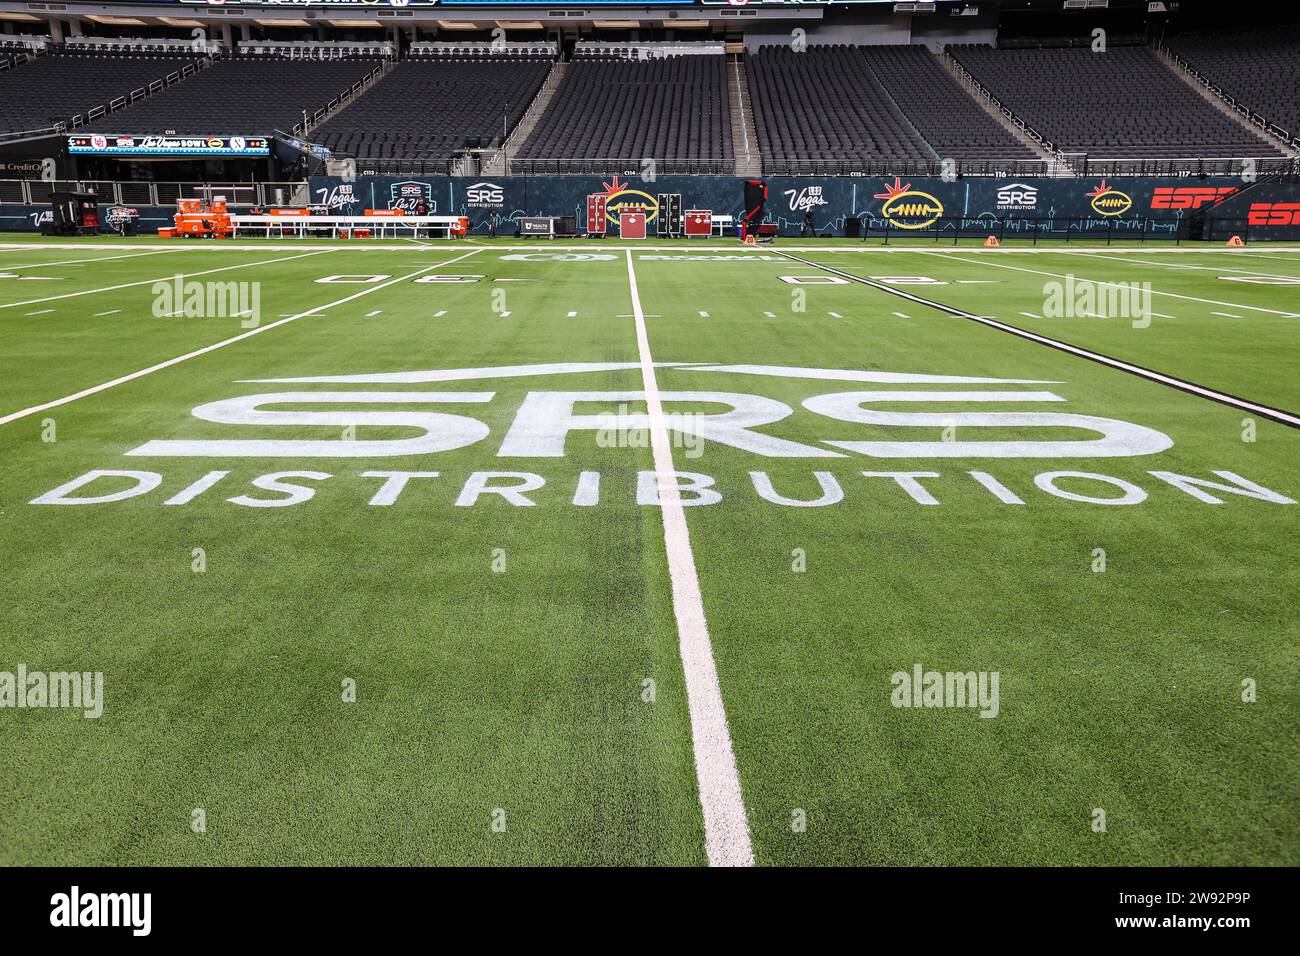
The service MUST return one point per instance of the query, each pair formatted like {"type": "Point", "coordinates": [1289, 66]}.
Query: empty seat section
{"type": "Point", "coordinates": [1124, 103]}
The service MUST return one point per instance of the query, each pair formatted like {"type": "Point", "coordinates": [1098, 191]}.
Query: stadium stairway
{"type": "Point", "coordinates": [949, 63]}
{"type": "Point", "coordinates": [744, 139]}
{"type": "Point", "coordinates": [385, 68]}
{"type": "Point", "coordinates": [499, 165]}
{"type": "Point", "coordinates": [1216, 101]}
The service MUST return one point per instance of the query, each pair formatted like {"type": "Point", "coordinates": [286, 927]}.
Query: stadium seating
{"type": "Point", "coordinates": [1124, 103]}
{"type": "Point", "coordinates": [247, 95]}
{"type": "Point", "coordinates": [939, 108]}
{"type": "Point", "coordinates": [428, 108]}
{"type": "Point", "coordinates": [826, 104]}
{"type": "Point", "coordinates": [53, 88]}
{"type": "Point", "coordinates": [671, 108]}
{"type": "Point", "coordinates": [1260, 71]}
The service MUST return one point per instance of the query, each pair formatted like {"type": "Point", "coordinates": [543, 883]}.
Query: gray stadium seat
{"type": "Point", "coordinates": [1121, 104]}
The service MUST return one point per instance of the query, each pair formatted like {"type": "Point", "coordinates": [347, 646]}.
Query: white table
{"type": "Point", "coordinates": [380, 225]}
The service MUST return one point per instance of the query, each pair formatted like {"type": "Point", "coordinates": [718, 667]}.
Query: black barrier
{"type": "Point", "coordinates": [1108, 210]}
{"type": "Point", "coordinates": [1055, 229]}
{"type": "Point", "coordinates": [1038, 209]}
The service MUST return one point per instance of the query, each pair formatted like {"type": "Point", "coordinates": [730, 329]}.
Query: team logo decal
{"type": "Point", "coordinates": [407, 196]}
{"type": "Point", "coordinates": [620, 198]}
{"type": "Point", "coordinates": [908, 208]}
{"type": "Point", "coordinates": [118, 216]}
{"type": "Point", "coordinates": [1110, 202]}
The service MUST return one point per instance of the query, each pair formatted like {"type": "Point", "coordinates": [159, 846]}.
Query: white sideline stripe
{"type": "Point", "coordinates": [1265, 411]}
{"type": "Point", "coordinates": [181, 275]}
{"type": "Point", "coordinates": [1057, 275]}
{"type": "Point", "coordinates": [1179, 265]}
{"type": "Point", "coordinates": [1261, 255]}
{"type": "Point", "coordinates": [726, 827]}
{"type": "Point", "coordinates": [95, 389]}
{"type": "Point", "coordinates": [71, 262]}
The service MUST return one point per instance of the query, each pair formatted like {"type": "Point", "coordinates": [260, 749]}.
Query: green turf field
{"type": "Point", "coordinates": [535, 657]}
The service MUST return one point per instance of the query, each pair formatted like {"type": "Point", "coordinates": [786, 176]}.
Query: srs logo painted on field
{"type": "Point", "coordinates": [544, 420]}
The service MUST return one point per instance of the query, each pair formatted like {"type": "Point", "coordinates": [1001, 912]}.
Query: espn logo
{"type": "Point", "coordinates": [1188, 197]}
{"type": "Point", "coordinates": [1274, 214]}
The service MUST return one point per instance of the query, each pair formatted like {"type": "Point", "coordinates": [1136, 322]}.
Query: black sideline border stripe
{"type": "Point", "coordinates": [1281, 416]}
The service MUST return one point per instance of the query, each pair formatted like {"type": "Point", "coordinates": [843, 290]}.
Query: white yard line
{"type": "Point", "coordinates": [1261, 255]}
{"type": "Point", "coordinates": [170, 278]}
{"type": "Point", "coordinates": [69, 262]}
{"type": "Point", "coordinates": [726, 826]}
{"type": "Point", "coordinates": [95, 389]}
{"type": "Point", "coordinates": [1176, 265]}
{"type": "Point", "coordinates": [1101, 282]}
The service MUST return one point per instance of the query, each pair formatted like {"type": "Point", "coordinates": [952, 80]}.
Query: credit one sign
{"type": "Point", "coordinates": [101, 144]}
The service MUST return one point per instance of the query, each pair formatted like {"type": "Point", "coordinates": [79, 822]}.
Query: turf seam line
{"type": "Point", "coordinates": [1278, 415]}
{"type": "Point", "coordinates": [726, 826]}
{"type": "Point", "coordinates": [104, 386]}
